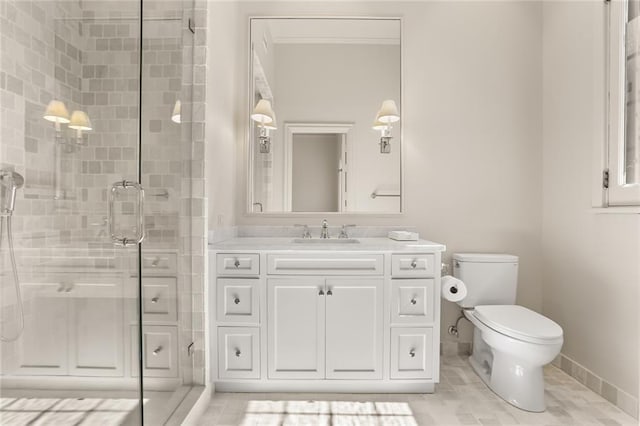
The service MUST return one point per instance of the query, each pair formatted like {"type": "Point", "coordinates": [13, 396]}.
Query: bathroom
{"type": "Point", "coordinates": [500, 148]}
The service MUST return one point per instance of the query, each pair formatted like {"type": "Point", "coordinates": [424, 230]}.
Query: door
{"type": "Point", "coordinates": [44, 327]}
{"type": "Point", "coordinates": [96, 326]}
{"type": "Point", "coordinates": [296, 328]}
{"type": "Point", "coordinates": [354, 328]}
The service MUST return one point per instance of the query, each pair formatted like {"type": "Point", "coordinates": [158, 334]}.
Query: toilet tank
{"type": "Point", "coordinates": [491, 279]}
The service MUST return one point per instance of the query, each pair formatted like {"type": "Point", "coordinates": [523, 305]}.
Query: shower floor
{"type": "Point", "coordinates": [22, 407]}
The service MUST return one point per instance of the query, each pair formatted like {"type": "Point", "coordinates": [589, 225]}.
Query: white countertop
{"type": "Point", "coordinates": [288, 244]}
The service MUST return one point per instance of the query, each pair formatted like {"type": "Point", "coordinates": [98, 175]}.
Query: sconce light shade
{"type": "Point", "coordinates": [80, 121]}
{"type": "Point", "coordinates": [378, 125]}
{"type": "Point", "coordinates": [56, 112]}
{"type": "Point", "coordinates": [388, 112]}
{"type": "Point", "coordinates": [273, 125]}
{"type": "Point", "coordinates": [263, 113]}
{"type": "Point", "coordinates": [176, 115]}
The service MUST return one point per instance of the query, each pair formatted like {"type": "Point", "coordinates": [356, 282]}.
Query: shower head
{"type": "Point", "coordinates": [10, 182]}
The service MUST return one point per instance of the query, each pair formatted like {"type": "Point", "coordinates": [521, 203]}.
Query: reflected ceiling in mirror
{"type": "Point", "coordinates": [316, 150]}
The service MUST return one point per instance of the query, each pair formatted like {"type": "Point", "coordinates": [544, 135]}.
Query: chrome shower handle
{"type": "Point", "coordinates": [122, 240]}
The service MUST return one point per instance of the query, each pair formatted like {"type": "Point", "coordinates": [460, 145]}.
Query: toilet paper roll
{"type": "Point", "coordinates": [453, 289]}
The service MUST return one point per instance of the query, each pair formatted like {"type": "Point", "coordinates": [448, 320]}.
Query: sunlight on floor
{"type": "Point", "coordinates": [328, 413]}
{"type": "Point", "coordinates": [68, 411]}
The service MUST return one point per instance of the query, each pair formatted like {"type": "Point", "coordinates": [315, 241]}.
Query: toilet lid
{"type": "Point", "coordinates": [519, 323]}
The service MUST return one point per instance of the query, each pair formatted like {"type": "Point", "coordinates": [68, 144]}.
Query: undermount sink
{"type": "Point", "coordinates": [325, 241]}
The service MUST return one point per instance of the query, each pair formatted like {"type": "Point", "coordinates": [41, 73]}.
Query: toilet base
{"type": "Point", "coordinates": [510, 377]}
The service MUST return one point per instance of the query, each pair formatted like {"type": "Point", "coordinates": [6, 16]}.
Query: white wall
{"type": "Point", "coordinates": [591, 268]}
{"type": "Point", "coordinates": [222, 112]}
{"type": "Point", "coordinates": [472, 100]}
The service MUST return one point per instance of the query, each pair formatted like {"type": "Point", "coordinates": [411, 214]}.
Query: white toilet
{"type": "Point", "coordinates": [511, 343]}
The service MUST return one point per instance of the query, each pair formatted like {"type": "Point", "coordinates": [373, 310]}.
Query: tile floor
{"type": "Point", "coordinates": [460, 399]}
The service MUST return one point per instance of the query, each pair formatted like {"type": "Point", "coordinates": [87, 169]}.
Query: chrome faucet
{"type": "Point", "coordinates": [305, 231]}
{"type": "Point", "coordinates": [324, 233]}
{"type": "Point", "coordinates": [343, 232]}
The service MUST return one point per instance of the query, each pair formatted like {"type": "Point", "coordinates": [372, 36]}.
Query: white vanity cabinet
{"type": "Point", "coordinates": [321, 328]}
{"type": "Point", "coordinates": [76, 326]}
{"type": "Point", "coordinates": [316, 319]}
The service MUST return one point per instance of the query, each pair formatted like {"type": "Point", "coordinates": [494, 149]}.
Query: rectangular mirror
{"type": "Point", "coordinates": [317, 85]}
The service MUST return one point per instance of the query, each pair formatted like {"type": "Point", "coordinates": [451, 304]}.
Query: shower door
{"type": "Point", "coordinates": [95, 309]}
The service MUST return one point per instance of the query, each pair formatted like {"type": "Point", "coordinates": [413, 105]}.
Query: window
{"type": "Point", "coordinates": [623, 153]}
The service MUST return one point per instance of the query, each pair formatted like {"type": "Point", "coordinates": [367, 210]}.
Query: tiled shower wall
{"type": "Point", "coordinates": [85, 53]}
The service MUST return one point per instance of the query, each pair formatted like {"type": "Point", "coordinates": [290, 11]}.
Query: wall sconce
{"type": "Point", "coordinates": [80, 122]}
{"type": "Point", "coordinates": [176, 115]}
{"type": "Point", "coordinates": [265, 118]}
{"type": "Point", "coordinates": [387, 114]}
{"type": "Point", "coordinates": [58, 114]}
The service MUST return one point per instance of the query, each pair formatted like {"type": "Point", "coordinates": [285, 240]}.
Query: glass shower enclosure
{"type": "Point", "coordinates": [95, 187]}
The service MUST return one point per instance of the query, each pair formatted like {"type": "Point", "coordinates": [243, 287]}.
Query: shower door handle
{"type": "Point", "coordinates": [124, 240]}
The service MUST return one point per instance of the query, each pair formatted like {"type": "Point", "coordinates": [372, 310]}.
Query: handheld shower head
{"type": "Point", "coordinates": [10, 182]}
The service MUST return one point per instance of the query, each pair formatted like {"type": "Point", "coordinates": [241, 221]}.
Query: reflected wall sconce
{"type": "Point", "coordinates": [176, 115]}
{"type": "Point", "coordinates": [265, 119]}
{"type": "Point", "coordinates": [387, 114]}
{"type": "Point", "coordinates": [58, 114]}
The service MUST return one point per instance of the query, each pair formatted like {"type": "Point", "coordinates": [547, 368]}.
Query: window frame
{"type": "Point", "coordinates": [614, 191]}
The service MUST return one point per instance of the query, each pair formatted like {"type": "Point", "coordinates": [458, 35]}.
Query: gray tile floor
{"type": "Point", "coordinates": [460, 399]}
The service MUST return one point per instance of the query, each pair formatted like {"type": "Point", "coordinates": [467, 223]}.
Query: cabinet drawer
{"type": "Point", "coordinates": [155, 263]}
{"type": "Point", "coordinates": [239, 353]}
{"type": "Point", "coordinates": [160, 351]}
{"type": "Point", "coordinates": [238, 264]}
{"type": "Point", "coordinates": [159, 299]}
{"type": "Point", "coordinates": [412, 301]}
{"type": "Point", "coordinates": [325, 264]}
{"type": "Point", "coordinates": [412, 265]}
{"type": "Point", "coordinates": [238, 300]}
{"type": "Point", "coordinates": [411, 353]}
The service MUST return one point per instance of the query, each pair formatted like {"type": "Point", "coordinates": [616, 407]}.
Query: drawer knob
{"type": "Point", "coordinates": [236, 263]}
{"type": "Point", "coordinates": [414, 301]}
{"type": "Point", "coordinates": [236, 301]}
{"type": "Point", "coordinates": [158, 350]}
{"type": "Point", "coordinates": [155, 262]}
{"type": "Point", "coordinates": [155, 299]}
{"type": "Point", "coordinates": [238, 353]}
{"type": "Point", "coordinates": [414, 263]}
{"type": "Point", "coordinates": [412, 353]}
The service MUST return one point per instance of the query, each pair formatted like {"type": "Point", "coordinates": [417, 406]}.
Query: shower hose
{"type": "Point", "coordinates": [16, 281]}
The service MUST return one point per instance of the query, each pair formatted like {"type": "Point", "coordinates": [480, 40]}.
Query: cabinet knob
{"type": "Point", "coordinates": [414, 301]}
{"type": "Point", "coordinates": [157, 350]}
{"type": "Point", "coordinates": [329, 293]}
{"type": "Point", "coordinates": [238, 353]}
{"type": "Point", "coordinates": [236, 263]}
{"type": "Point", "coordinates": [414, 263]}
{"type": "Point", "coordinates": [236, 300]}
{"type": "Point", "coordinates": [155, 299]}
{"type": "Point", "coordinates": [321, 292]}
{"type": "Point", "coordinates": [155, 262]}
{"type": "Point", "coordinates": [68, 288]}
{"type": "Point", "coordinates": [412, 353]}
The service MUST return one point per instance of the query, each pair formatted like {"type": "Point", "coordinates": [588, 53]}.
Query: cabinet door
{"type": "Point", "coordinates": [296, 328]}
{"type": "Point", "coordinates": [96, 326]}
{"type": "Point", "coordinates": [42, 347]}
{"type": "Point", "coordinates": [354, 328]}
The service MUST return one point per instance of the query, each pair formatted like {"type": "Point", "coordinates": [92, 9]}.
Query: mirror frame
{"type": "Point", "coordinates": [247, 159]}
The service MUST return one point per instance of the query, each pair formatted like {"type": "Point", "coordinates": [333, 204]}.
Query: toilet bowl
{"type": "Point", "coordinates": [511, 345]}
